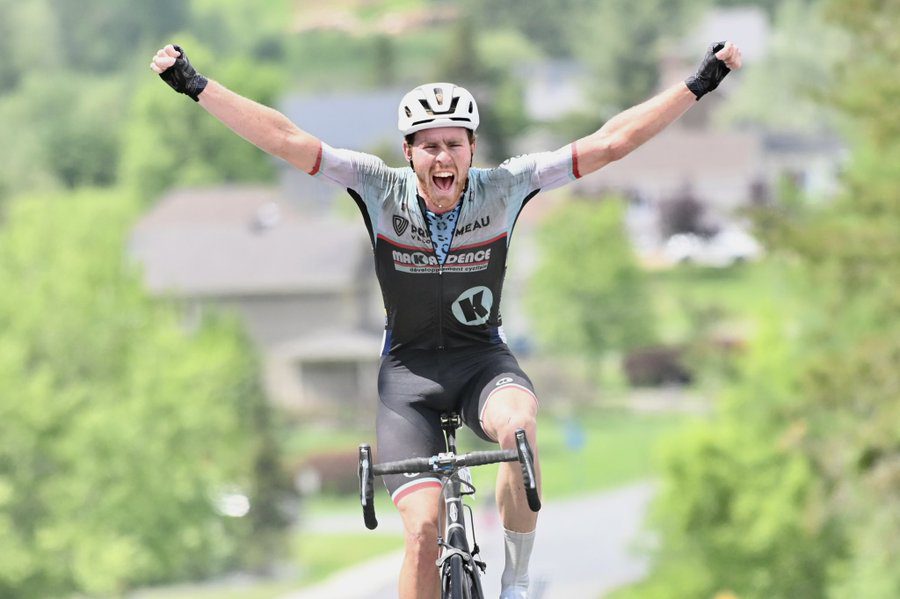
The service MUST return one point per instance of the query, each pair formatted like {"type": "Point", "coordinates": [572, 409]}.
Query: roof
{"type": "Point", "coordinates": [334, 345]}
{"type": "Point", "coordinates": [240, 240]}
{"type": "Point", "coordinates": [355, 119]}
{"type": "Point", "coordinates": [679, 155]}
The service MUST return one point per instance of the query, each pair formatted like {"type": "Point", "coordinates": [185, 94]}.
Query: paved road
{"type": "Point", "coordinates": [585, 548]}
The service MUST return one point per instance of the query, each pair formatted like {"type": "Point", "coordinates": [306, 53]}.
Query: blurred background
{"type": "Point", "coordinates": [190, 329]}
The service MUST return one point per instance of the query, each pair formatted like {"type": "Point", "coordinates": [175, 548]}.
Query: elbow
{"type": "Point", "coordinates": [284, 143]}
{"type": "Point", "coordinates": [597, 151]}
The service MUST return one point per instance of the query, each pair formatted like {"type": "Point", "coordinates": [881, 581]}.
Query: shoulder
{"type": "Point", "coordinates": [355, 169]}
{"type": "Point", "coordinates": [537, 169]}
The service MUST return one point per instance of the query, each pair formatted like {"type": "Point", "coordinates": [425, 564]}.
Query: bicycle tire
{"type": "Point", "coordinates": [457, 581]}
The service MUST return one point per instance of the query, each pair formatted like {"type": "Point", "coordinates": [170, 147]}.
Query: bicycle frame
{"type": "Point", "coordinates": [458, 561]}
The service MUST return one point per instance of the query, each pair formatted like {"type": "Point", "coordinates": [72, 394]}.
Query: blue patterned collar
{"type": "Point", "coordinates": [442, 227]}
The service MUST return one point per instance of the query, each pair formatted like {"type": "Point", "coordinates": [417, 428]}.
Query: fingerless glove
{"type": "Point", "coordinates": [709, 74]}
{"type": "Point", "coordinates": [183, 78]}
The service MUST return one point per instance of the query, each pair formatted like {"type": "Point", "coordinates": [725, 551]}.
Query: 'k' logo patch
{"type": "Point", "coordinates": [400, 225]}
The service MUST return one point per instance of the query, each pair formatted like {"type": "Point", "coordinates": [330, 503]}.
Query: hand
{"type": "Point", "coordinates": [173, 66]}
{"type": "Point", "coordinates": [731, 56]}
{"type": "Point", "coordinates": [720, 59]}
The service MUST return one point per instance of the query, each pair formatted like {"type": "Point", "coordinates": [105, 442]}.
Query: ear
{"type": "Point", "coordinates": [407, 151]}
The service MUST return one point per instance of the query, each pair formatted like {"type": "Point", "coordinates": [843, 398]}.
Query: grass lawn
{"type": "Point", "coordinates": [322, 554]}
{"type": "Point", "coordinates": [591, 451]}
{"type": "Point", "coordinates": [733, 297]}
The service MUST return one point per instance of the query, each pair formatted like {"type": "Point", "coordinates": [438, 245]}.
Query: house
{"type": "Point", "coordinates": [302, 284]}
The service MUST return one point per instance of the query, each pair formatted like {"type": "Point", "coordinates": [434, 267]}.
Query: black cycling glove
{"type": "Point", "coordinates": [709, 74]}
{"type": "Point", "coordinates": [183, 78]}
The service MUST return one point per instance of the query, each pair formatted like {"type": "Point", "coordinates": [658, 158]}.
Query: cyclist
{"type": "Point", "coordinates": [440, 230]}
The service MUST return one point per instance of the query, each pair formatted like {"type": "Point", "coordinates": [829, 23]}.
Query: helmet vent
{"type": "Point", "coordinates": [427, 107]}
{"type": "Point", "coordinates": [439, 95]}
{"type": "Point", "coordinates": [409, 112]}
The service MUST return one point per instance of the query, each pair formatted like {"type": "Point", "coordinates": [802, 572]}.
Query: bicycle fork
{"type": "Point", "coordinates": [456, 553]}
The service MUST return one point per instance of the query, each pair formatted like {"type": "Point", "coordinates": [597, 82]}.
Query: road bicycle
{"type": "Point", "coordinates": [459, 565]}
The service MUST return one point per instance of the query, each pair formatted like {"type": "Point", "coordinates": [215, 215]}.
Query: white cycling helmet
{"type": "Point", "coordinates": [437, 105]}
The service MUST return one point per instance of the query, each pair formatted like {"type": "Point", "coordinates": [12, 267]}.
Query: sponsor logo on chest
{"type": "Point", "coordinates": [419, 262]}
{"type": "Point", "coordinates": [481, 223]}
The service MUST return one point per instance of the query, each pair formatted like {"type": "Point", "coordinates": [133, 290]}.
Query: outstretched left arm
{"type": "Point", "coordinates": [629, 129]}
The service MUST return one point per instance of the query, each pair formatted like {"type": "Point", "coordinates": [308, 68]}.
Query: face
{"type": "Point", "coordinates": [441, 158]}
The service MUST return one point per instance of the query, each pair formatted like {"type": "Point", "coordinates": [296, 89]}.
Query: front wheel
{"type": "Point", "coordinates": [456, 581]}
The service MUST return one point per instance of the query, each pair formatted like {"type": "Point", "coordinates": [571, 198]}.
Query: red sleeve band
{"type": "Point", "coordinates": [575, 170]}
{"type": "Point", "coordinates": [318, 164]}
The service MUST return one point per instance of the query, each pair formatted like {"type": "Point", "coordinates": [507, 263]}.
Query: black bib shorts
{"type": "Point", "coordinates": [416, 386]}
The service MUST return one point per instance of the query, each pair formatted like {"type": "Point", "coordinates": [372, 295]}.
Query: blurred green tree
{"type": "Point", "coordinates": [169, 140]}
{"type": "Point", "coordinates": [499, 95]}
{"type": "Point", "coordinates": [588, 296]}
{"type": "Point", "coordinates": [240, 29]}
{"type": "Point", "coordinates": [793, 489]}
{"type": "Point", "coordinates": [72, 137]}
{"type": "Point", "coordinates": [805, 73]}
{"type": "Point", "coordinates": [23, 51]}
{"type": "Point", "coordinates": [120, 432]}
{"type": "Point", "coordinates": [550, 24]}
{"type": "Point", "coordinates": [102, 36]}
{"type": "Point", "coordinates": [624, 41]}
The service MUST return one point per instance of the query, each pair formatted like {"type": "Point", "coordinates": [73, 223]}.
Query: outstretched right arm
{"type": "Point", "coordinates": [262, 126]}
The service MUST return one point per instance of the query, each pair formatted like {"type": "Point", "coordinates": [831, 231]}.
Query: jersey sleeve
{"type": "Point", "coordinates": [348, 168]}
{"type": "Point", "coordinates": [518, 179]}
{"type": "Point", "coordinates": [540, 171]}
{"type": "Point", "coordinates": [367, 177]}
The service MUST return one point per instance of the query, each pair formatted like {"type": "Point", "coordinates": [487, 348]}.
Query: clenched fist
{"type": "Point", "coordinates": [721, 58]}
{"type": "Point", "coordinates": [174, 68]}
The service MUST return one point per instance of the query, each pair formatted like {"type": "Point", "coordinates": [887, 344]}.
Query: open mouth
{"type": "Point", "coordinates": [443, 181]}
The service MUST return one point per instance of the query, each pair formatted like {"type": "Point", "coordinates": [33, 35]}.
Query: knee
{"type": "Point", "coordinates": [419, 512]}
{"type": "Point", "coordinates": [506, 433]}
{"type": "Point", "coordinates": [421, 538]}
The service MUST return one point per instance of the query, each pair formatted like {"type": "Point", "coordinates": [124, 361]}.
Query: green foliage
{"type": "Point", "coordinates": [499, 94]}
{"type": "Point", "coordinates": [794, 488]}
{"type": "Point", "coordinates": [803, 53]}
{"type": "Point", "coordinates": [102, 35]}
{"type": "Point", "coordinates": [73, 134]}
{"type": "Point", "coordinates": [235, 28]}
{"type": "Point", "coordinates": [118, 429]}
{"type": "Point", "coordinates": [588, 296]}
{"type": "Point", "coordinates": [740, 508]}
{"type": "Point", "coordinates": [547, 23]}
{"type": "Point", "coordinates": [623, 42]}
{"type": "Point", "coordinates": [170, 141]}
{"type": "Point", "coordinates": [23, 51]}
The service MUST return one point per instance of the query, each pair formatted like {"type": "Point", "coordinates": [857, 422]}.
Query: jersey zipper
{"type": "Point", "coordinates": [440, 275]}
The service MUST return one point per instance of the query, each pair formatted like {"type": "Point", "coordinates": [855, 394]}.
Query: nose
{"type": "Point", "coordinates": [443, 155]}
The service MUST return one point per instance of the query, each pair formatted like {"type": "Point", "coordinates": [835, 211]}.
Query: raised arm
{"type": "Point", "coordinates": [629, 129]}
{"type": "Point", "coordinates": [262, 126]}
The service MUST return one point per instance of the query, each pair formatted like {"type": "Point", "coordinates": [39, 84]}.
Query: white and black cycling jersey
{"type": "Point", "coordinates": [429, 304]}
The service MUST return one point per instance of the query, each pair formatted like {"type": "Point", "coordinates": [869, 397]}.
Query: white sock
{"type": "Point", "coordinates": [514, 580]}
